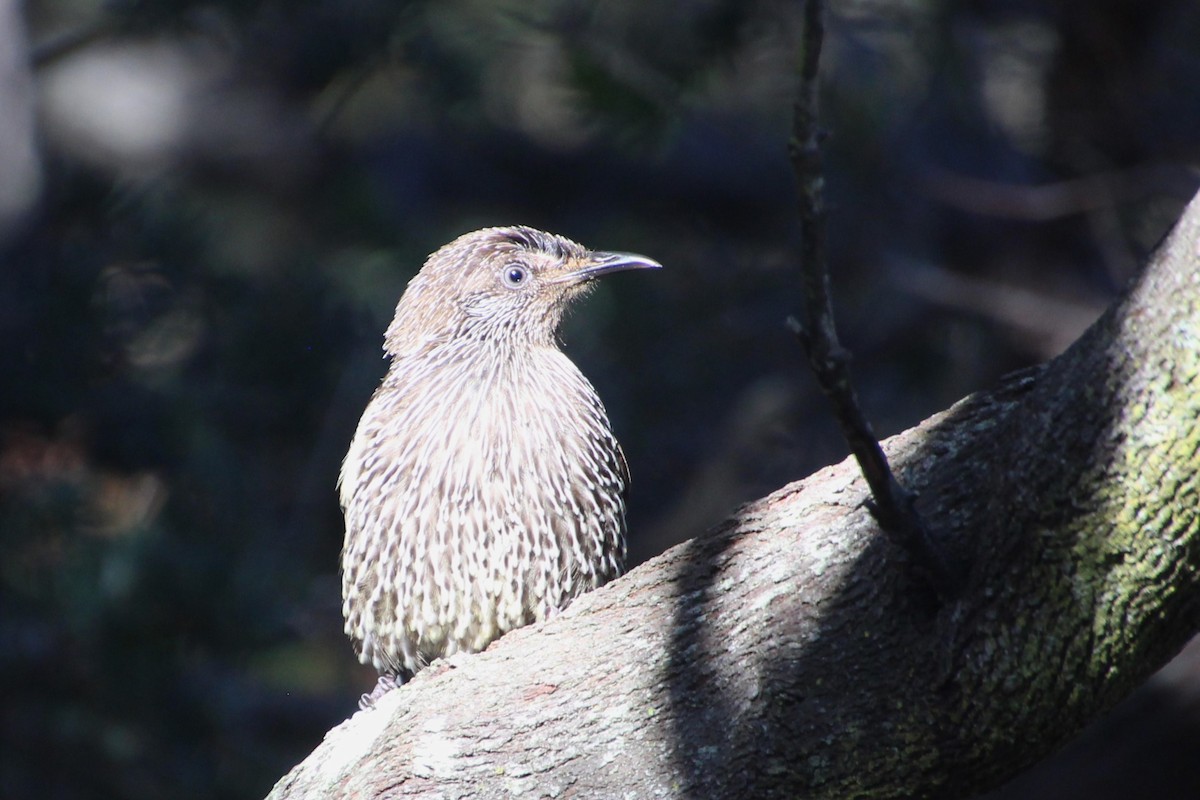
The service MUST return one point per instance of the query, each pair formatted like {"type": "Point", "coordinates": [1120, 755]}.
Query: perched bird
{"type": "Point", "coordinates": [483, 489]}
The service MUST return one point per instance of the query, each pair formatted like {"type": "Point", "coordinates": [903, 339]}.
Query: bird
{"type": "Point", "coordinates": [483, 489]}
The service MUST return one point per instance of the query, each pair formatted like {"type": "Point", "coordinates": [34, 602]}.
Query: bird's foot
{"type": "Point", "coordinates": [384, 685]}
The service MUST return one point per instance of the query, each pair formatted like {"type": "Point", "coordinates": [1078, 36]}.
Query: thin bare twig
{"type": "Point", "coordinates": [830, 362]}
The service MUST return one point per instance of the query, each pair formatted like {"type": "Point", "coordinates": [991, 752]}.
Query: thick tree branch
{"type": "Point", "coordinates": [784, 653]}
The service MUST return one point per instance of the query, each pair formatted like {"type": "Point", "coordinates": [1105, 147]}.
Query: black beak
{"type": "Point", "coordinates": [597, 264]}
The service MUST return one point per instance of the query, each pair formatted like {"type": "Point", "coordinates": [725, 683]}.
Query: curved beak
{"type": "Point", "coordinates": [602, 263]}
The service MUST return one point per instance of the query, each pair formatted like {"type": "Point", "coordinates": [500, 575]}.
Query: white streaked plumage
{"type": "Point", "coordinates": [483, 489]}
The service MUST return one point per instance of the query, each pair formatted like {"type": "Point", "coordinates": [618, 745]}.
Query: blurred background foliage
{"type": "Point", "coordinates": [209, 209]}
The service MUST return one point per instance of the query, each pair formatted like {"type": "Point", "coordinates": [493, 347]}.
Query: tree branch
{"type": "Point", "coordinates": [783, 654]}
{"type": "Point", "coordinates": [829, 361]}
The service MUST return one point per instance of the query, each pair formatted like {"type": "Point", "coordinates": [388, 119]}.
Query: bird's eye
{"type": "Point", "coordinates": [515, 277]}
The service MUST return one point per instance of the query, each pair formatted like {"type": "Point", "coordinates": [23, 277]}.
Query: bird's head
{"type": "Point", "coordinates": [502, 284]}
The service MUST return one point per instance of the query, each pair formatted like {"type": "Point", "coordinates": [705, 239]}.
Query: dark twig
{"type": "Point", "coordinates": [830, 362]}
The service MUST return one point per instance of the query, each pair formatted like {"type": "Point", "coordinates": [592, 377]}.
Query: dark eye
{"type": "Point", "coordinates": [515, 276]}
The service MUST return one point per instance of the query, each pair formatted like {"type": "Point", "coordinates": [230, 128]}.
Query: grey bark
{"type": "Point", "coordinates": [792, 652]}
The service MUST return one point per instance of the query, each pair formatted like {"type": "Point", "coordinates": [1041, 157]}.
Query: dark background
{"type": "Point", "coordinates": [208, 211]}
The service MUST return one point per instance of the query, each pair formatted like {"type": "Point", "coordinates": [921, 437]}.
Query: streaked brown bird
{"type": "Point", "coordinates": [484, 488]}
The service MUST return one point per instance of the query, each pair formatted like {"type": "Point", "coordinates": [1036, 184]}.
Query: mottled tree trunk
{"type": "Point", "coordinates": [792, 653]}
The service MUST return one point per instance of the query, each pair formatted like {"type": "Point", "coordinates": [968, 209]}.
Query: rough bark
{"type": "Point", "coordinates": [791, 652]}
